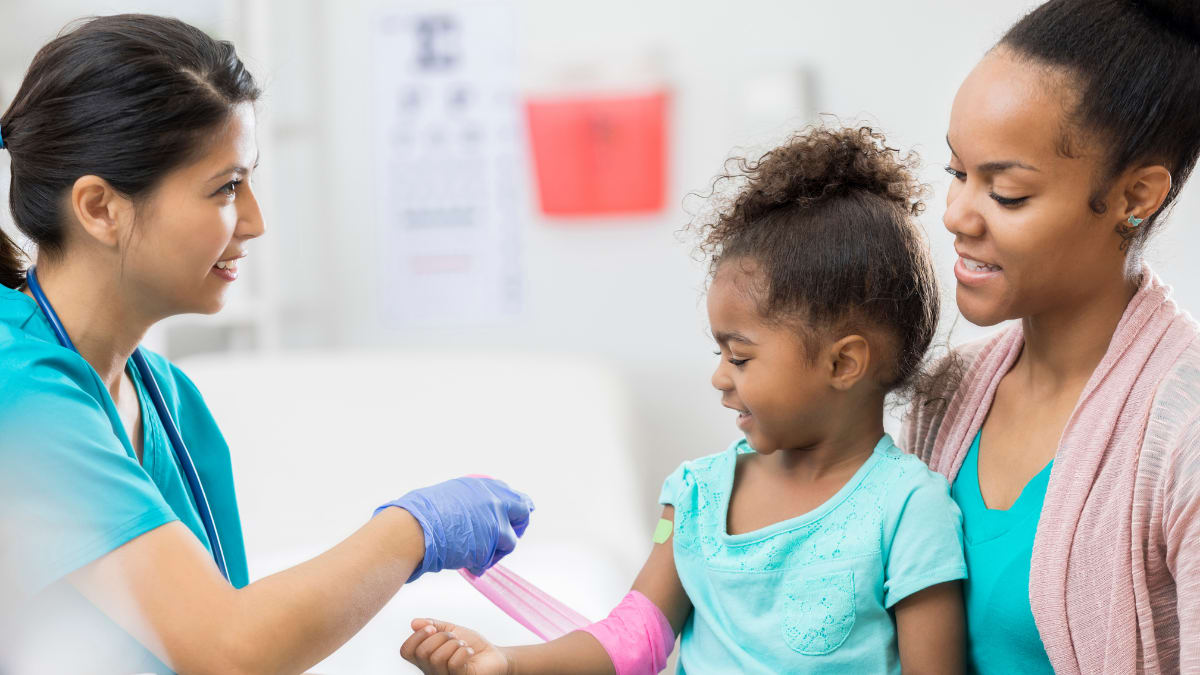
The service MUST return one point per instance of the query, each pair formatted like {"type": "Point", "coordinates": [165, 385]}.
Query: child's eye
{"type": "Point", "coordinates": [958, 175]}
{"type": "Point", "coordinates": [736, 362]}
{"type": "Point", "coordinates": [1007, 202]}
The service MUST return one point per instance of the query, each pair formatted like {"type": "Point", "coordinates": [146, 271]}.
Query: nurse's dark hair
{"type": "Point", "coordinates": [1135, 67]}
{"type": "Point", "coordinates": [826, 223]}
{"type": "Point", "coordinates": [126, 98]}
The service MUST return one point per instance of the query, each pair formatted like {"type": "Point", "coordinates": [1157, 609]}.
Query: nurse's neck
{"type": "Point", "coordinates": [98, 310]}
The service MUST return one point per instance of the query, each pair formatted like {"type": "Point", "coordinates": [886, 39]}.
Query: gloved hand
{"type": "Point", "coordinates": [467, 522]}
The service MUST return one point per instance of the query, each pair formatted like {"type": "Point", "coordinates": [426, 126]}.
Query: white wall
{"type": "Point", "coordinates": [627, 292]}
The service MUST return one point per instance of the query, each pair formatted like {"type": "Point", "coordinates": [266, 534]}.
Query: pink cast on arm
{"type": "Point", "coordinates": [636, 635]}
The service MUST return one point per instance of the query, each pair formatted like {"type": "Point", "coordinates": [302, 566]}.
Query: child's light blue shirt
{"type": "Point", "coordinates": [810, 594]}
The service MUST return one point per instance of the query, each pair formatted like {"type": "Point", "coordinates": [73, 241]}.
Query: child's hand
{"type": "Point", "coordinates": [440, 648]}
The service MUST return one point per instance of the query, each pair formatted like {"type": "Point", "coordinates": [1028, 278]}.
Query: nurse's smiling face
{"type": "Point", "coordinates": [1019, 207]}
{"type": "Point", "coordinates": [188, 235]}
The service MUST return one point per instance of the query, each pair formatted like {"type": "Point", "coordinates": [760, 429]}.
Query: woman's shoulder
{"type": "Point", "coordinates": [32, 369]}
{"type": "Point", "coordinates": [42, 385]}
{"type": "Point", "coordinates": [166, 372]}
{"type": "Point", "coordinates": [943, 379]}
{"type": "Point", "coordinates": [949, 372]}
{"type": "Point", "coordinates": [16, 308]}
{"type": "Point", "coordinates": [177, 387]}
{"type": "Point", "coordinates": [29, 354]}
{"type": "Point", "coordinates": [1168, 463]}
{"type": "Point", "coordinates": [1173, 428]}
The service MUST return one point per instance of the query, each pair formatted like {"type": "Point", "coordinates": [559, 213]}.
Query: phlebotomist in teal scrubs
{"type": "Point", "coordinates": [132, 146]}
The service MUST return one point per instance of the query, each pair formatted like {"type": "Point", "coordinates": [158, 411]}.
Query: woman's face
{"type": "Point", "coordinates": [1028, 241]}
{"type": "Point", "coordinates": [192, 231]}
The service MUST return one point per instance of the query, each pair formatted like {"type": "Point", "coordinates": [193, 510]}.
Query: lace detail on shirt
{"type": "Point", "coordinates": [819, 613]}
{"type": "Point", "coordinates": [850, 529]}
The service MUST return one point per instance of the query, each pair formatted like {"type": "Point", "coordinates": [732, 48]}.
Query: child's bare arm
{"type": "Point", "coordinates": [931, 630]}
{"type": "Point", "coordinates": [659, 580]}
{"type": "Point", "coordinates": [577, 653]}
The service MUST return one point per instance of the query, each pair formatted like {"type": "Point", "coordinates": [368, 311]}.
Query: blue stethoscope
{"type": "Point", "coordinates": [164, 415]}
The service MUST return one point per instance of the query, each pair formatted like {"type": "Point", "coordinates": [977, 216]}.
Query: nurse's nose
{"type": "Point", "coordinates": [250, 217]}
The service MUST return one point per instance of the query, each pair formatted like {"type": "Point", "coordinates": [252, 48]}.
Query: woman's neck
{"type": "Point", "coordinates": [1063, 346]}
{"type": "Point", "coordinates": [97, 314]}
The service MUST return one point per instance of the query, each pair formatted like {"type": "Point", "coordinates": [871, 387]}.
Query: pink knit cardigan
{"type": "Point", "coordinates": [1115, 577]}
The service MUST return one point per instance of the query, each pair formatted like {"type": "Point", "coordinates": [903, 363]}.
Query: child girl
{"type": "Point", "coordinates": [813, 544]}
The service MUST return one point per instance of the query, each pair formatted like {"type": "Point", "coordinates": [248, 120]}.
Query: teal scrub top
{"type": "Point", "coordinates": [72, 489]}
{"type": "Point", "coordinates": [814, 593]}
{"type": "Point", "coordinates": [1001, 635]}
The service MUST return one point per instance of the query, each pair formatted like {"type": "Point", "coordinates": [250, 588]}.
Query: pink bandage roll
{"type": "Point", "coordinates": [532, 607]}
{"type": "Point", "coordinates": [636, 636]}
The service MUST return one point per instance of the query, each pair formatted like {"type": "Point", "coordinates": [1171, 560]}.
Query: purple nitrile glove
{"type": "Point", "coordinates": [467, 522]}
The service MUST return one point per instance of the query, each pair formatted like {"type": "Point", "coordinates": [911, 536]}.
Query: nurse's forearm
{"type": "Point", "coordinates": [293, 619]}
{"type": "Point", "coordinates": [163, 588]}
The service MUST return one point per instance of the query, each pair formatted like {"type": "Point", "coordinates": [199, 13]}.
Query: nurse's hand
{"type": "Point", "coordinates": [467, 522]}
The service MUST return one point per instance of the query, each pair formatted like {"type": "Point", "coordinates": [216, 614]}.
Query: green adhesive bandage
{"type": "Point", "coordinates": [663, 532]}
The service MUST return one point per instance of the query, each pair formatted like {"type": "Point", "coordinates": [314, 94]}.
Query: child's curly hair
{"type": "Point", "coordinates": [828, 217]}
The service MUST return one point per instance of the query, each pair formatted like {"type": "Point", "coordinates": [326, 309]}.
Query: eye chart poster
{"type": "Point", "coordinates": [449, 162]}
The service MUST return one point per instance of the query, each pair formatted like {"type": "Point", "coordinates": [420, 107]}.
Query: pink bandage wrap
{"type": "Point", "coordinates": [636, 636]}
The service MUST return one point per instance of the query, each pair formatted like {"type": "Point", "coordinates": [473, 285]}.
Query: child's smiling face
{"type": "Point", "coordinates": [783, 397]}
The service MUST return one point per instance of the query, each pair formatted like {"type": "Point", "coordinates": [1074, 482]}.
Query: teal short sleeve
{"type": "Point", "coordinates": [925, 547]}
{"type": "Point", "coordinates": [70, 491]}
{"type": "Point", "coordinates": [669, 495]}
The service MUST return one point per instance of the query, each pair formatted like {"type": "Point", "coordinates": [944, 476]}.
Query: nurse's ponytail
{"type": "Point", "coordinates": [127, 98]}
{"type": "Point", "coordinates": [12, 272]}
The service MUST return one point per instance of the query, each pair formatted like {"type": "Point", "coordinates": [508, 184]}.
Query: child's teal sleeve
{"type": "Point", "coordinates": [672, 485]}
{"type": "Point", "coordinates": [925, 546]}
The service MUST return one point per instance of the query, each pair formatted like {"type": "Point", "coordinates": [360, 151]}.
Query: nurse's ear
{"type": "Point", "coordinates": [105, 215]}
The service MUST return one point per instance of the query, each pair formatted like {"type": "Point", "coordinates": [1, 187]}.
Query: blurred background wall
{"type": "Point", "coordinates": [622, 289]}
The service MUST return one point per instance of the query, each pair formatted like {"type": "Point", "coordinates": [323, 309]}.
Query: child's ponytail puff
{"type": "Point", "coordinates": [821, 163]}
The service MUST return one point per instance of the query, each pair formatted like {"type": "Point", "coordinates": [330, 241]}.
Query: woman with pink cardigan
{"type": "Point", "coordinates": [1072, 437]}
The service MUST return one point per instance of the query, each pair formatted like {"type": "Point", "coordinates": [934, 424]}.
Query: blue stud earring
{"type": "Point", "coordinates": [1134, 221]}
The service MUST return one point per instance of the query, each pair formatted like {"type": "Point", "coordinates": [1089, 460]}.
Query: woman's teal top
{"type": "Point", "coordinates": [72, 490]}
{"type": "Point", "coordinates": [1001, 636]}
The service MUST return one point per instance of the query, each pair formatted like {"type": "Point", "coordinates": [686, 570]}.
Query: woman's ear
{"type": "Point", "coordinates": [103, 213]}
{"type": "Point", "coordinates": [849, 361]}
{"type": "Point", "coordinates": [1146, 189]}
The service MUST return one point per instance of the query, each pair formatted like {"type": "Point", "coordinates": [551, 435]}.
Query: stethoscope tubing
{"type": "Point", "coordinates": [164, 415]}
